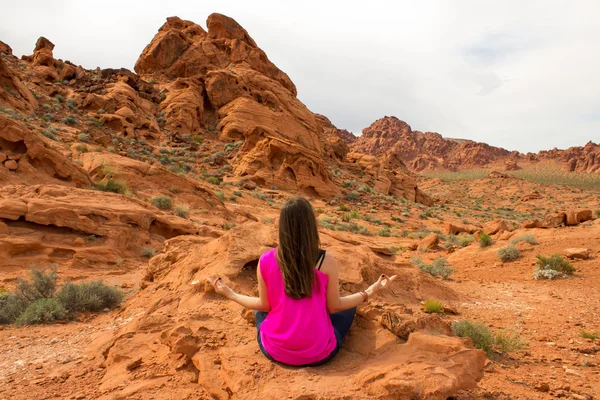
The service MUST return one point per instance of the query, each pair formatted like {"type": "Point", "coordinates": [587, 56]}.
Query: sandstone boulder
{"type": "Point", "coordinates": [532, 223]}
{"type": "Point", "coordinates": [493, 227]}
{"type": "Point", "coordinates": [575, 217]}
{"type": "Point", "coordinates": [552, 220]}
{"type": "Point", "coordinates": [577, 253]}
{"type": "Point", "coordinates": [5, 49]}
{"type": "Point", "coordinates": [454, 229]}
{"type": "Point", "coordinates": [429, 242]}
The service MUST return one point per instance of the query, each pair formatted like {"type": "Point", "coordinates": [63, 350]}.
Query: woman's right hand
{"type": "Point", "coordinates": [381, 283]}
{"type": "Point", "coordinates": [220, 287]}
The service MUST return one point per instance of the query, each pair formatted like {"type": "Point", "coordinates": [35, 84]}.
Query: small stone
{"type": "Point", "coordinates": [11, 165]}
{"type": "Point", "coordinates": [134, 364]}
{"type": "Point", "coordinates": [572, 372]}
{"type": "Point", "coordinates": [542, 387]}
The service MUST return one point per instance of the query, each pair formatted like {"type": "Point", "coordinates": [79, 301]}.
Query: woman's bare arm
{"type": "Point", "coordinates": [260, 303]}
{"type": "Point", "coordinates": [337, 303]}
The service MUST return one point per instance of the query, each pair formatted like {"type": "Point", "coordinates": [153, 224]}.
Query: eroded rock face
{"type": "Point", "coordinates": [424, 151]}
{"type": "Point", "coordinates": [29, 158]}
{"type": "Point", "coordinates": [209, 346]}
{"type": "Point", "coordinates": [50, 223]}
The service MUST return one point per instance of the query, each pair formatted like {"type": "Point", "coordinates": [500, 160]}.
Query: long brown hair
{"type": "Point", "coordinates": [298, 247]}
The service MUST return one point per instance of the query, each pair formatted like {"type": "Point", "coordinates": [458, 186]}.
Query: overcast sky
{"type": "Point", "coordinates": [521, 74]}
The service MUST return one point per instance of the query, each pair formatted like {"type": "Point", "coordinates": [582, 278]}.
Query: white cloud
{"type": "Point", "coordinates": [522, 75]}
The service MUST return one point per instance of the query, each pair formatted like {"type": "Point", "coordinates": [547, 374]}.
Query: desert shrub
{"type": "Point", "coordinates": [42, 285]}
{"type": "Point", "coordinates": [69, 120]}
{"type": "Point", "coordinates": [507, 342]}
{"type": "Point", "coordinates": [527, 238]}
{"type": "Point", "coordinates": [227, 226]}
{"type": "Point", "coordinates": [352, 196]}
{"type": "Point", "coordinates": [43, 311]}
{"type": "Point", "coordinates": [258, 195]}
{"type": "Point", "coordinates": [50, 135]}
{"type": "Point", "coordinates": [482, 338]}
{"type": "Point", "coordinates": [267, 220]}
{"type": "Point", "coordinates": [509, 253]}
{"type": "Point", "coordinates": [552, 267]}
{"type": "Point", "coordinates": [220, 195]}
{"type": "Point", "coordinates": [344, 208]}
{"type": "Point", "coordinates": [111, 185]}
{"type": "Point", "coordinates": [480, 335]}
{"type": "Point", "coordinates": [182, 210]}
{"type": "Point", "coordinates": [589, 335]}
{"type": "Point", "coordinates": [82, 148]}
{"type": "Point", "coordinates": [439, 267]}
{"type": "Point", "coordinates": [97, 122]}
{"type": "Point", "coordinates": [385, 232]}
{"type": "Point", "coordinates": [163, 202]}
{"type": "Point", "coordinates": [485, 240]}
{"type": "Point", "coordinates": [91, 296]}
{"type": "Point", "coordinates": [83, 137]}
{"type": "Point", "coordinates": [148, 252]}
{"type": "Point", "coordinates": [11, 306]}
{"type": "Point", "coordinates": [237, 193]}
{"type": "Point", "coordinates": [213, 180]}
{"type": "Point", "coordinates": [459, 240]}
{"type": "Point", "coordinates": [433, 306]}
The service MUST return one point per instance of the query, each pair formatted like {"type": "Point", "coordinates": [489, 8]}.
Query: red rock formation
{"type": "Point", "coordinates": [5, 49]}
{"type": "Point", "coordinates": [422, 151]}
{"type": "Point", "coordinates": [580, 158]}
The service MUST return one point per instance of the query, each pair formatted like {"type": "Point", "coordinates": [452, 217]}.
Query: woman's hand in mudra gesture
{"type": "Point", "coordinates": [220, 287]}
{"type": "Point", "coordinates": [383, 282]}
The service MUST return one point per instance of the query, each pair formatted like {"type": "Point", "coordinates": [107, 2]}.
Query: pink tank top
{"type": "Point", "coordinates": [296, 331]}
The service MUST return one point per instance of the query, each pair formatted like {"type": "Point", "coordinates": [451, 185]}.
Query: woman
{"type": "Point", "coordinates": [300, 317]}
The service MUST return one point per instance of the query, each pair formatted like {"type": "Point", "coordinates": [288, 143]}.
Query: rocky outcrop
{"type": "Point", "coordinates": [51, 223]}
{"type": "Point", "coordinates": [30, 158]}
{"type": "Point", "coordinates": [574, 159]}
{"type": "Point", "coordinates": [424, 151]}
{"type": "Point", "coordinates": [222, 82]}
{"type": "Point", "coordinates": [5, 49]}
{"type": "Point", "coordinates": [207, 347]}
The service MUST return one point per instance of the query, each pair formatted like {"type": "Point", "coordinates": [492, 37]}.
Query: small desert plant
{"type": "Point", "coordinates": [42, 285]}
{"type": "Point", "coordinates": [43, 311]}
{"type": "Point", "coordinates": [552, 267]}
{"type": "Point", "coordinates": [590, 335]}
{"type": "Point", "coordinates": [433, 306]}
{"type": "Point", "coordinates": [148, 252]}
{"type": "Point", "coordinates": [91, 296]}
{"type": "Point", "coordinates": [344, 208]}
{"type": "Point", "coordinates": [439, 267]}
{"type": "Point", "coordinates": [385, 232]}
{"type": "Point", "coordinates": [69, 120]}
{"type": "Point", "coordinates": [82, 148]}
{"type": "Point", "coordinates": [527, 238]}
{"type": "Point", "coordinates": [480, 335]}
{"type": "Point", "coordinates": [213, 180]}
{"type": "Point", "coordinates": [237, 193]}
{"type": "Point", "coordinates": [111, 185]}
{"type": "Point", "coordinates": [83, 137]}
{"type": "Point", "coordinates": [267, 220]}
{"type": "Point", "coordinates": [11, 306]}
{"type": "Point", "coordinates": [507, 342]}
{"type": "Point", "coordinates": [352, 196]}
{"type": "Point", "coordinates": [182, 210]}
{"type": "Point", "coordinates": [220, 195]}
{"type": "Point", "coordinates": [485, 240]}
{"type": "Point", "coordinates": [509, 253]}
{"type": "Point", "coordinates": [163, 202]}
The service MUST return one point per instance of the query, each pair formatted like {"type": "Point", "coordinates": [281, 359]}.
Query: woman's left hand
{"type": "Point", "coordinates": [220, 287]}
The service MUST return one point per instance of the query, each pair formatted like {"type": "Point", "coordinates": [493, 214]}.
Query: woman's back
{"type": "Point", "coordinates": [296, 331]}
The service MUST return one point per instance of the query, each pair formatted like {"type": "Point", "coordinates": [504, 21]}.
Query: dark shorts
{"type": "Point", "coordinates": [341, 321]}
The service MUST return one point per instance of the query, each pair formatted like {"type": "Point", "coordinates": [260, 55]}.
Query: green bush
{"type": "Point", "coordinates": [163, 202]}
{"type": "Point", "coordinates": [482, 338]}
{"type": "Point", "coordinates": [43, 311]}
{"type": "Point", "coordinates": [237, 193]}
{"type": "Point", "coordinates": [111, 185]}
{"type": "Point", "coordinates": [213, 180]}
{"type": "Point", "coordinates": [82, 148]}
{"type": "Point", "coordinates": [11, 306]}
{"type": "Point", "coordinates": [148, 252]}
{"type": "Point", "coordinates": [69, 120]}
{"type": "Point", "coordinates": [552, 267]}
{"type": "Point", "coordinates": [83, 137]}
{"type": "Point", "coordinates": [480, 335]}
{"type": "Point", "coordinates": [509, 253]}
{"type": "Point", "coordinates": [352, 196]}
{"type": "Point", "coordinates": [42, 285]}
{"type": "Point", "coordinates": [590, 335]}
{"type": "Point", "coordinates": [220, 195]}
{"type": "Point", "coordinates": [439, 267]}
{"type": "Point", "coordinates": [485, 240]}
{"type": "Point", "coordinates": [182, 210]}
{"type": "Point", "coordinates": [344, 208]}
{"type": "Point", "coordinates": [92, 296]}
{"type": "Point", "coordinates": [433, 306]}
{"type": "Point", "coordinates": [527, 238]}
